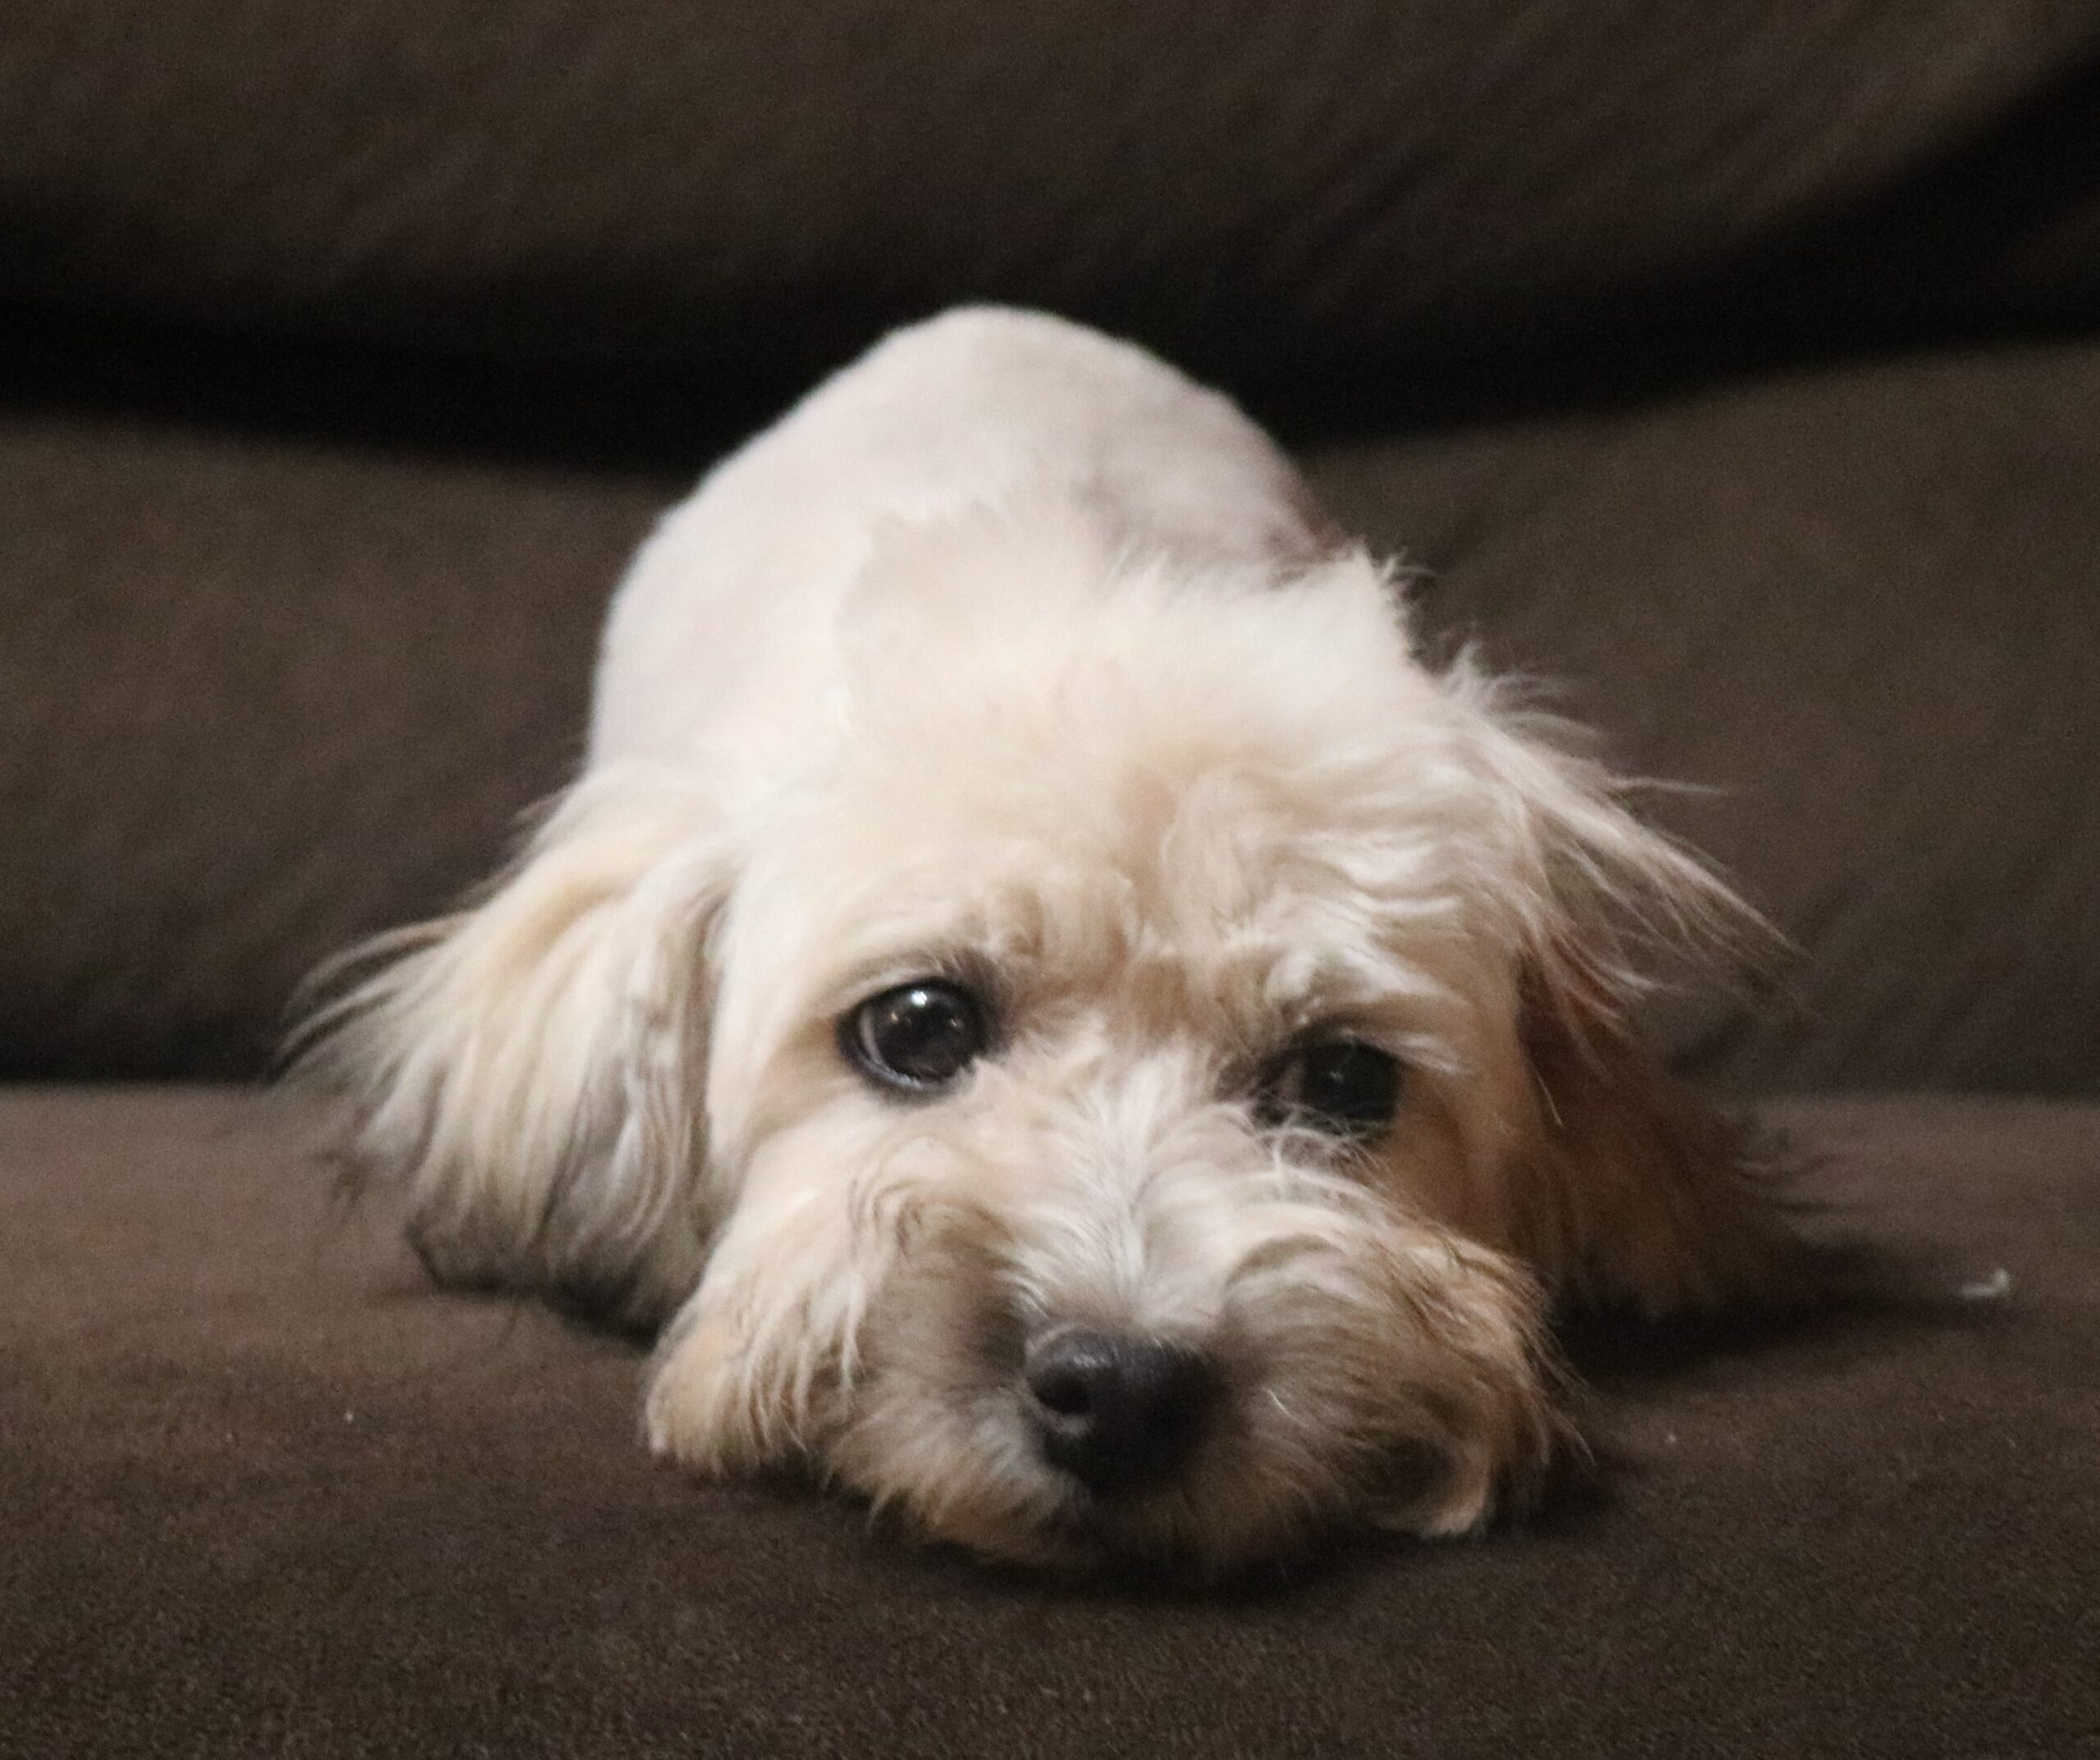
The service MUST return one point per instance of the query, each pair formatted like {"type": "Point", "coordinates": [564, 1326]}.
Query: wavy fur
{"type": "Point", "coordinates": [1012, 658]}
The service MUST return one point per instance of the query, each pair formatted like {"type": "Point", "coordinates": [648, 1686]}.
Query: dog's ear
{"type": "Point", "coordinates": [1633, 1191]}
{"type": "Point", "coordinates": [1625, 1187]}
{"type": "Point", "coordinates": [527, 1074]}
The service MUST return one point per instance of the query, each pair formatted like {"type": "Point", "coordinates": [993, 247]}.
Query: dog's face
{"type": "Point", "coordinates": [1117, 1088]}
{"type": "Point", "coordinates": [1116, 1074]}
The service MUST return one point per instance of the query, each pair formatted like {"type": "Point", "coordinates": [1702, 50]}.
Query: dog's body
{"type": "Point", "coordinates": [1084, 1038]}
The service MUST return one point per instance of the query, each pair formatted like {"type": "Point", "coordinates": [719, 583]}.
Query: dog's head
{"type": "Point", "coordinates": [1120, 1091]}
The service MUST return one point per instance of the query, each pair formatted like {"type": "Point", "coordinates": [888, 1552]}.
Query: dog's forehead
{"type": "Point", "coordinates": [1180, 864]}
{"type": "Point", "coordinates": [1239, 788]}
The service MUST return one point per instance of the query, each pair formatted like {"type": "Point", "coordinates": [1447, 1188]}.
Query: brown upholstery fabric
{"type": "Point", "coordinates": [267, 687]}
{"type": "Point", "coordinates": [1277, 190]}
{"type": "Point", "coordinates": [268, 1494]}
{"type": "Point", "coordinates": [256, 697]}
{"type": "Point", "coordinates": [1860, 607]}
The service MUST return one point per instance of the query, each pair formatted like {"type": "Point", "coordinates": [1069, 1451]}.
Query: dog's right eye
{"type": "Point", "coordinates": [918, 1037]}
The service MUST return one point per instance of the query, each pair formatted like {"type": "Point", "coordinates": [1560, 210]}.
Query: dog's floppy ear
{"type": "Point", "coordinates": [1627, 1189]}
{"type": "Point", "coordinates": [1635, 1191]}
{"type": "Point", "coordinates": [527, 1072]}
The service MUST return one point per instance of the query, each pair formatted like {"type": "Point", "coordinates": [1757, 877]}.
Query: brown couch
{"type": "Point", "coordinates": [1735, 364]}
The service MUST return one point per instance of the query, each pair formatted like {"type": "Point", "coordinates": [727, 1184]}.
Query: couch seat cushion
{"type": "Point", "coordinates": [265, 1492]}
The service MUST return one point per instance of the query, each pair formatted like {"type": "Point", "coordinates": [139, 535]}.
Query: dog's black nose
{"type": "Point", "coordinates": [1114, 1411]}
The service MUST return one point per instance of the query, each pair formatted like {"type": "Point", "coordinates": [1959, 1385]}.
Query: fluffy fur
{"type": "Point", "coordinates": [1011, 656]}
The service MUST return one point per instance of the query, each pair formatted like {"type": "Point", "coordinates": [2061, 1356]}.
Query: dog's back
{"type": "Point", "coordinates": [724, 620]}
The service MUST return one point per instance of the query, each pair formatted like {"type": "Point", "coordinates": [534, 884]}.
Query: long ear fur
{"type": "Point", "coordinates": [526, 1073]}
{"type": "Point", "coordinates": [1627, 1189]}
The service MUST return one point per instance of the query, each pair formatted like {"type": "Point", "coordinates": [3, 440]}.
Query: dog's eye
{"type": "Point", "coordinates": [1343, 1086]}
{"type": "Point", "coordinates": [919, 1037]}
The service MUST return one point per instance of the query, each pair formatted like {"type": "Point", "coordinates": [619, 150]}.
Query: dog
{"type": "Point", "coordinates": [1054, 1014]}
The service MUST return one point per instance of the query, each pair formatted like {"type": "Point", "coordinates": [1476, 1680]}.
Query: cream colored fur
{"type": "Point", "coordinates": [1012, 656]}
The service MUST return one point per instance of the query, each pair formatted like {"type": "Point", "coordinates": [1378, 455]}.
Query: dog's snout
{"type": "Point", "coordinates": [1113, 1411]}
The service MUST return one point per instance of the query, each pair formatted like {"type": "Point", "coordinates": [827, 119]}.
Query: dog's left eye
{"type": "Point", "coordinates": [918, 1037]}
{"type": "Point", "coordinates": [1343, 1086]}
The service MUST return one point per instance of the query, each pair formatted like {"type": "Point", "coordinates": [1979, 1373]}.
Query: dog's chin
{"type": "Point", "coordinates": [1360, 1369]}
{"type": "Point", "coordinates": [1294, 1453]}
{"type": "Point", "coordinates": [965, 1466]}
{"type": "Point", "coordinates": [1234, 1509]}
{"type": "Point", "coordinates": [1155, 1535]}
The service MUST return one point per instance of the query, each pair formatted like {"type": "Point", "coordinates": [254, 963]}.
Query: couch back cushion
{"type": "Point", "coordinates": [266, 687]}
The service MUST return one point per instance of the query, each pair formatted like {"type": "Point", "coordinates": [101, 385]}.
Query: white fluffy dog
{"type": "Point", "coordinates": [1084, 1037]}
